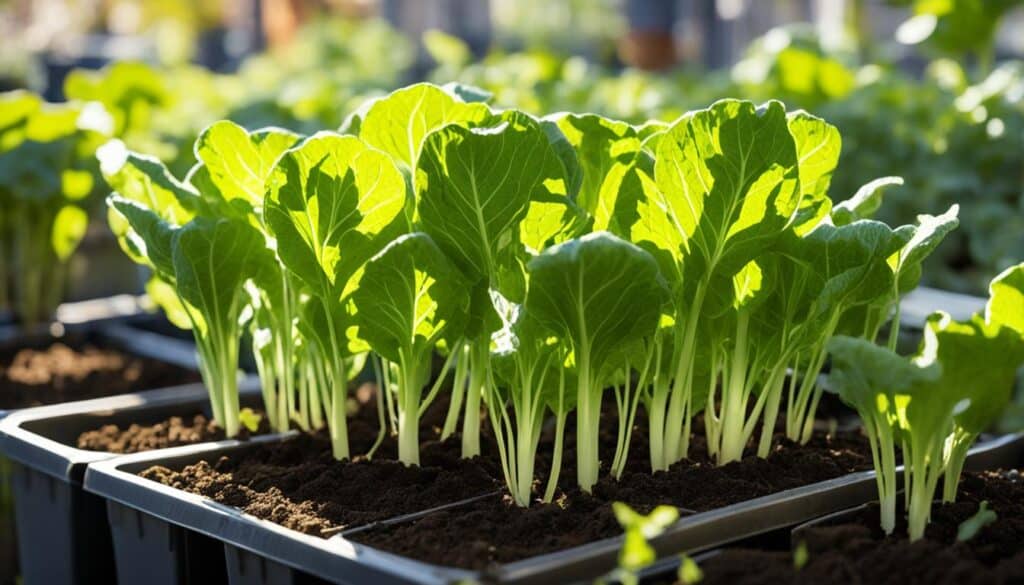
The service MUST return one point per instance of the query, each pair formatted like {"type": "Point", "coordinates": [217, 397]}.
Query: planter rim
{"type": "Point", "coordinates": [328, 558]}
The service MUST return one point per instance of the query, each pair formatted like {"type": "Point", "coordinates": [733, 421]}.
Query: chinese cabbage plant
{"type": "Point", "coordinates": [936, 403]}
{"type": "Point", "coordinates": [331, 203]}
{"type": "Point", "coordinates": [47, 182]}
{"type": "Point", "coordinates": [692, 269]}
{"type": "Point", "coordinates": [598, 293]}
{"type": "Point", "coordinates": [489, 197]}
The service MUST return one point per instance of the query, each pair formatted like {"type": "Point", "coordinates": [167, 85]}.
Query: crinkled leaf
{"type": "Point", "coordinates": [328, 202]}
{"type": "Point", "coordinates": [238, 163]}
{"type": "Point", "coordinates": [817, 146]}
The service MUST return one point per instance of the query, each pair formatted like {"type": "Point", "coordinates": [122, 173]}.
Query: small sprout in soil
{"type": "Point", "coordinates": [689, 572]}
{"type": "Point", "coordinates": [972, 526]}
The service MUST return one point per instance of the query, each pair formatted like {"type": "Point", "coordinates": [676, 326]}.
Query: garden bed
{"type": "Point", "coordinates": [854, 549]}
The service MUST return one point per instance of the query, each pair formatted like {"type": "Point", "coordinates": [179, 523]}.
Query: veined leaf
{"type": "Point", "coordinates": [212, 259]}
{"type": "Point", "coordinates": [1006, 299]}
{"type": "Point", "coordinates": [399, 123]}
{"type": "Point", "coordinates": [598, 291]}
{"type": "Point", "coordinates": [865, 202]}
{"type": "Point", "coordinates": [475, 188]}
{"type": "Point", "coordinates": [817, 146]}
{"type": "Point", "coordinates": [609, 152]}
{"type": "Point", "coordinates": [928, 234]}
{"type": "Point", "coordinates": [728, 185]}
{"type": "Point", "coordinates": [238, 163]}
{"type": "Point", "coordinates": [409, 298]}
{"type": "Point", "coordinates": [145, 180]}
{"type": "Point", "coordinates": [147, 238]}
{"type": "Point", "coordinates": [328, 201]}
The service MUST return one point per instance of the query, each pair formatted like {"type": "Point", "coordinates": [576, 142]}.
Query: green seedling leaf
{"type": "Point", "coordinates": [800, 556]}
{"type": "Point", "coordinates": [970, 528]}
{"type": "Point", "coordinates": [250, 419]}
{"type": "Point", "coordinates": [865, 202]}
{"type": "Point", "coordinates": [689, 572]}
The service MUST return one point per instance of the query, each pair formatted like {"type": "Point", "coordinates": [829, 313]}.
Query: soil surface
{"type": "Point", "coordinates": [858, 551]}
{"type": "Point", "coordinates": [298, 483]}
{"type": "Point", "coordinates": [497, 531]}
{"type": "Point", "coordinates": [173, 432]}
{"type": "Point", "coordinates": [62, 373]}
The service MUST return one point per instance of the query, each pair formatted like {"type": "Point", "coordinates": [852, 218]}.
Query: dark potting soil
{"type": "Point", "coordinates": [173, 432]}
{"type": "Point", "coordinates": [62, 373]}
{"type": "Point", "coordinates": [858, 552]}
{"type": "Point", "coordinates": [497, 531]}
{"type": "Point", "coordinates": [297, 483]}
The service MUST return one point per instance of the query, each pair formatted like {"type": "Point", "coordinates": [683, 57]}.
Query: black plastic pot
{"type": "Point", "coordinates": [262, 552]}
{"type": "Point", "coordinates": [63, 532]}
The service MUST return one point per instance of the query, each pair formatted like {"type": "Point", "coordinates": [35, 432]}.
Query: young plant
{"type": "Point", "coordinates": [531, 377]}
{"type": "Point", "coordinates": [599, 294]}
{"type": "Point", "coordinates": [964, 376]}
{"type": "Point", "coordinates": [727, 184]}
{"type": "Point", "coordinates": [332, 203]}
{"type": "Point", "coordinates": [873, 380]}
{"type": "Point", "coordinates": [208, 262]}
{"type": "Point", "coordinates": [408, 300]}
{"type": "Point", "coordinates": [47, 180]}
{"type": "Point", "coordinates": [487, 196]}
{"type": "Point", "coordinates": [231, 178]}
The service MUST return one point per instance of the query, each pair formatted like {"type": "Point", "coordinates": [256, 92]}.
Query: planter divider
{"type": "Point", "coordinates": [340, 560]}
{"type": "Point", "coordinates": [1000, 452]}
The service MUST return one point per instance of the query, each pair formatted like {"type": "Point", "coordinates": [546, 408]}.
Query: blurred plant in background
{"type": "Point", "coordinates": [48, 181]}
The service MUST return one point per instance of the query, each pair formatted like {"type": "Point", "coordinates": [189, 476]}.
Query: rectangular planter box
{"type": "Point", "coordinates": [147, 519]}
{"type": "Point", "coordinates": [259, 551]}
{"type": "Point", "coordinates": [62, 529]}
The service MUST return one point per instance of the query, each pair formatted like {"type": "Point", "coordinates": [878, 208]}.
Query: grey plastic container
{"type": "Point", "coordinates": [340, 560]}
{"type": "Point", "coordinates": [62, 530]}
